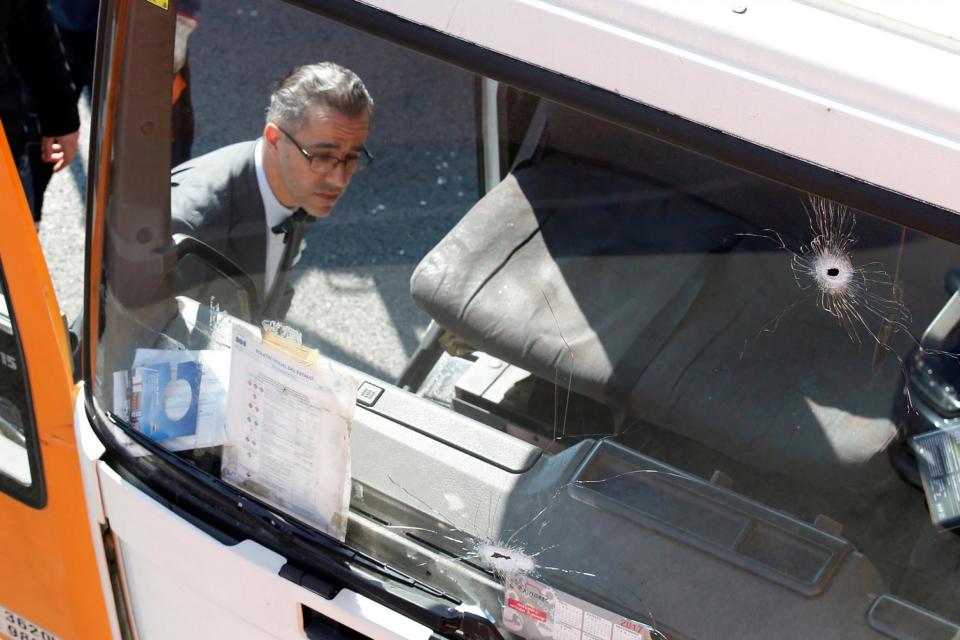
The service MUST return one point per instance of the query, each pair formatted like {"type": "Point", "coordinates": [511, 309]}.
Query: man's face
{"type": "Point", "coordinates": [327, 133]}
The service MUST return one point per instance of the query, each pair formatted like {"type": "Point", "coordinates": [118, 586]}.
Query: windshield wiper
{"type": "Point", "coordinates": [314, 559]}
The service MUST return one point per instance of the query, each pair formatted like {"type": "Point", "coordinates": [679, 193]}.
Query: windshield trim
{"type": "Point", "coordinates": [661, 125]}
{"type": "Point", "coordinates": [208, 502]}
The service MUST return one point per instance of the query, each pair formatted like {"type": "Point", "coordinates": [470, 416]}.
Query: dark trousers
{"type": "Point", "coordinates": [80, 47]}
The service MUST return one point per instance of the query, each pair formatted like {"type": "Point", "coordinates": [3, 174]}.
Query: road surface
{"type": "Point", "coordinates": [352, 284]}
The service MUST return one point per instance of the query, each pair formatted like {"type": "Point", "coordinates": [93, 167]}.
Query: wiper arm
{"type": "Point", "coordinates": [328, 564]}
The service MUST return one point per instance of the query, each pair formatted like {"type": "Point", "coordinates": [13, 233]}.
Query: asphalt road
{"type": "Point", "coordinates": [353, 281]}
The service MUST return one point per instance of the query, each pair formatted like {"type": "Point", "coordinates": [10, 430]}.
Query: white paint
{"type": "Point", "coordinates": [812, 84]}
{"type": "Point", "coordinates": [918, 20]}
{"type": "Point", "coordinates": [89, 452]}
{"type": "Point", "coordinates": [183, 583]}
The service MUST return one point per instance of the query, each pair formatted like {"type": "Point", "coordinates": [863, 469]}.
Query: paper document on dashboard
{"type": "Point", "coordinates": [177, 398]}
{"type": "Point", "coordinates": [288, 430]}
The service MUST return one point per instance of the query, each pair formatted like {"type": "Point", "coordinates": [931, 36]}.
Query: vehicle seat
{"type": "Point", "coordinates": [626, 276]}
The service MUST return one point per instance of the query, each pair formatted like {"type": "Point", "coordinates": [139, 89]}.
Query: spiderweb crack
{"type": "Point", "coordinates": [865, 300]}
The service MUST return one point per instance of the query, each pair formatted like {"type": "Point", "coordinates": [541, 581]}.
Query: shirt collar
{"type": "Point", "coordinates": [275, 211]}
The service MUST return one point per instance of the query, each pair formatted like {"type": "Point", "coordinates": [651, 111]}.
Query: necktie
{"type": "Point", "coordinates": [293, 230]}
{"type": "Point", "coordinates": [289, 224]}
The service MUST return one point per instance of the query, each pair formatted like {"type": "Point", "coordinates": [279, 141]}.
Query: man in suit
{"type": "Point", "coordinates": [253, 200]}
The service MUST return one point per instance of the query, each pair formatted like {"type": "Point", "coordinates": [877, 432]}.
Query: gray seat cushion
{"type": "Point", "coordinates": [646, 298]}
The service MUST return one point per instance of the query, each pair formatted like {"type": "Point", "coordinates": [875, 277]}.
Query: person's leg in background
{"type": "Point", "coordinates": [80, 48]}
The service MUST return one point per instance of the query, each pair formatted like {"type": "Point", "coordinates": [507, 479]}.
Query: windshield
{"type": "Point", "coordinates": [589, 383]}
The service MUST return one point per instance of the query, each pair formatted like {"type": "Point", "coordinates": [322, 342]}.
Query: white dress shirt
{"type": "Point", "coordinates": [275, 214]}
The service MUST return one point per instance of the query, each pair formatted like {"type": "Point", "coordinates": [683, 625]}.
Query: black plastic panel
{"type": "Point", "coordinates": [711, 518]}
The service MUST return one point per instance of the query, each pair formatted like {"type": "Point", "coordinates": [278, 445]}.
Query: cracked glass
{"type": "Point", "coordinates": [614, 389]}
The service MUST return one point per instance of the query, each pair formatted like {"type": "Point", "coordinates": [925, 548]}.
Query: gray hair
{"type": "Point", "coordinates": [323, 84]}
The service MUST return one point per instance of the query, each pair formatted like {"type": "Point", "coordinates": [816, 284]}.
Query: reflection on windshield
{"type": "Point", "coordinates": [627, 392]}
{"type": "Point", "coordinates": [14, 461]}
{"type": "Point", "coordinates": [14, 457]}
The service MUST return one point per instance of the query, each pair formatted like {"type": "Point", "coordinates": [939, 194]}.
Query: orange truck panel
{"type": "Point", "coordinates": [48, 570]}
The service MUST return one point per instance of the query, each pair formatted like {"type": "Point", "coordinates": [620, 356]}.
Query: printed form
{"type": "Point", "coordinates": [288, 428]}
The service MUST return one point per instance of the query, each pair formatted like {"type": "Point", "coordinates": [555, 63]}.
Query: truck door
{"type": "Point", "coordinates": [49, 581]}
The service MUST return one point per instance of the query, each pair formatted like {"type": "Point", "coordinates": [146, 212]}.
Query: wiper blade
{"type": "Point", "coordinates": [328, 564]}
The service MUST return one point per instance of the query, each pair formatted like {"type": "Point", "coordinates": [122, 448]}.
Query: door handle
{"type": "Point", "coordinates": [317, 626]}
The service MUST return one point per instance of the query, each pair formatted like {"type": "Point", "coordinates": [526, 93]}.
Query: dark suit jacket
{"type": "Point", "coordinates": [215, 198]}
{"type": "Point", "coordinates": [30, 50]}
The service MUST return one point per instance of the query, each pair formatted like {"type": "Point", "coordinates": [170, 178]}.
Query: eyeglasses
{"type": "Point", "coordinates": [325, 162]}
